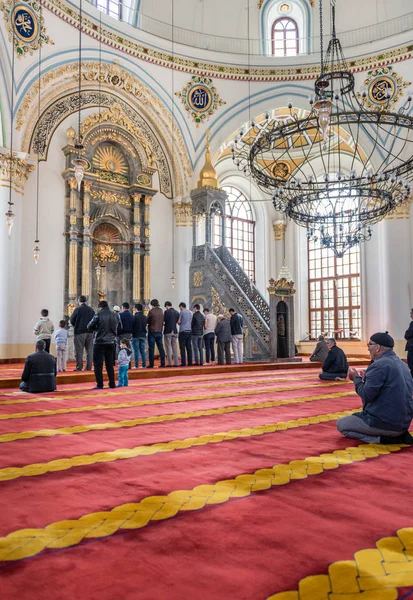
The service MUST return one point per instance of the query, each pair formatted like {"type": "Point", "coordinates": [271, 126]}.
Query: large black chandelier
{"type": "Point", "coordinates": [338, 168]}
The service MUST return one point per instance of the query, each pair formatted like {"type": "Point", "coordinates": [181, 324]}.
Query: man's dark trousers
{"type": "Point", "coordinates": [83, 341]}
{"type": "Point", "coordinates": [104, 352]}
{"type": "Point", "coordinates": [224, 348]}
{"type": "Point", "coordinates": [185, 347]}
{"type": "Point", "coordinates": [155, 338]}
{"type": "Point", "coordinates": [410, 361]}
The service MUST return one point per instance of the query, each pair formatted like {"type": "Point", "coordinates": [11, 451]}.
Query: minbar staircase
{"type": "Point", "coordinates": [218, 281]}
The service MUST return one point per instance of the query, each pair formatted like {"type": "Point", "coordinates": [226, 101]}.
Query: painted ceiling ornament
{"type": "Point", "coordinates": [200, 98]}
{"type": "Point", "coordinates": [383, 87]}
{"type": "Point", "coordinates": [261, 2]}
{"type": "Point", "coordinates": [25, 24]}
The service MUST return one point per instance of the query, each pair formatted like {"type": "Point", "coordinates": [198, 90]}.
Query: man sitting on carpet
{"type": "Point", "coordinates": [39, 374]}
{"type": "Point", "coordinates": [335, 366]}
{"type": "Point", "coordinates": [320, 351]}
{"type": "Point", "coordinates": [386, 388]}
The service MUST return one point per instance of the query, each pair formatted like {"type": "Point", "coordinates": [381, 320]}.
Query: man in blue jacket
{"type": "Point", "coordinates": [386, 389]}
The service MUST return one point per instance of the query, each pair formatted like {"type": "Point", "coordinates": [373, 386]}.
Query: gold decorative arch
{"type": "Point", "coordinates": [112, 79]}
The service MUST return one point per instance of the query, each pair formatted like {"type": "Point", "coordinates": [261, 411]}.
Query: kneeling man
{"type": "Point", "coordinates": [39, 374]}
{"type": "Point", "coordinates": [335, 366]}
{"type": "Point", "coordinates": [386, 389]}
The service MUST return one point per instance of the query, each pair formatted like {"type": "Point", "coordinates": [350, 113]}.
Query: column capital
{"type": "Point", "coordinates": [87, 186]}
{"type": "Point", "coordinates": [72, 183]}
{"type": "Point", "coordinates": [20, 170]}
{"type": "Point", "coordinates": [279, 228]}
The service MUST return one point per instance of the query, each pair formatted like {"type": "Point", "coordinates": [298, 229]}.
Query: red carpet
{"type": "Point", "coordinates": [243, 544]}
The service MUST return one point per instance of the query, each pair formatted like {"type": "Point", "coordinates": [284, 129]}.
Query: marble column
{"type": "Point", "coordinates": [73, 245]}
{"type": "Point", "coordinates": [147, 247]}
{"type": "Point", "coordinates": [87, 243]}
{"type": "Point", "coordinates": [136, 285]}
{"type": "Point", "coordinates": [279, 229]}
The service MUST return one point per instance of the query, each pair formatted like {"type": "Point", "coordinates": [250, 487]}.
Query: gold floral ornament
{"type": "Point", "coordinates": [25, 25]}
{"type": "Point", "coordinates": [383, 88]}
{"type": "Point", "coordinates": [104, 253]}
{"type": "Point", "coordinates": [200, 98]}
{"type": "Point", "coordinates": [284, 286]}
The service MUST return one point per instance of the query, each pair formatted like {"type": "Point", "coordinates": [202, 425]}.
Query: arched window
{"type": "Point", "coordinates": [334, 292]}
{"type": "Point", "coordinates": [239, 230]}
{"type": "Point", "coordinates": [284, 37]}
{"type": "Point", "coordinates": [113, 8]}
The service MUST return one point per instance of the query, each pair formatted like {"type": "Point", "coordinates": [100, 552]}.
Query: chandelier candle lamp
{"type": "Point", "coordinates": [79, 163]}
{"type": "Point", "coordinates": [350, 166]}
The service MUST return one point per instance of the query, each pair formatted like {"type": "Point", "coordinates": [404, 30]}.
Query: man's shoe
{"type": "Point", "coordinates": [149, 367]}
{"type": "Point", "coordinates": [77, 369]}
{"type": "Point", "coordinates": [98, 387]}
{"type": "Point", "coordinates": [112, 387]}
{"type": "Point", "coordinates": [404, 438]}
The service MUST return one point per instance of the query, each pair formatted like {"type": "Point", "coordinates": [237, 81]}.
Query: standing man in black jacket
{"type": "Point", "coordinates": [237, 335]}
{"type": "Point", "coordinates": [139, 336]}
{"type": "Point", "coordinates": [408, 336]}
{"type": "Point", "coordinates": [335, 366]}
{"type": "Point", "coordinates": [81, 317]}
{"type": "Point", "coordinates": [105, 325]}
{"type": "Point", "coordinates": [170, 333]}
{"type": "Point", "coordinates": [39, 374]}
{"type": "Point", "coordinates": [197, 333]}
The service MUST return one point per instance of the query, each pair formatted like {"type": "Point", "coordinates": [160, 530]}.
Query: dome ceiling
{"type": "Point", "coordinates": [229, 18]}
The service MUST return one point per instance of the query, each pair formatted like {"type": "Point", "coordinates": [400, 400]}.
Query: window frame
{"type": "Point", "coordinates": [284, 30]}
{"type": "Point", "coordinates": [241, 226]}
{"type": "Point", "coordinates": [352, 303]}
{"type": "Point", "coordinates": [104, 6]}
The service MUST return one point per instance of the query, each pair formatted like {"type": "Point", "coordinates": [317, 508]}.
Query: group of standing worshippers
{"type": "Point", "coordinates": [111, 334]}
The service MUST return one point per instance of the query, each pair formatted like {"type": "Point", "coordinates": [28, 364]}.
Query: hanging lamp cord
{"type": "Point", "coordinates": [36, 241]}
{"type": "Point", "coordinates": [80, 67]}
{"type": "Point", "coordinates": [10, 203]}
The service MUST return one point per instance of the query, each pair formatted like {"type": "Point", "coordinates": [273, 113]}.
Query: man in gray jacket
{"type": "Point", "coordinates": [320, 351]}
{"type": "Point", "coordinates": [386, 389]}
{"type": "Point", "coordinates": [223, 333]}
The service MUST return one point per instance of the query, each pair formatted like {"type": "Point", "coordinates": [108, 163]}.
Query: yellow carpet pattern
{"type": "Point", "coordinates": [374, 574]}
{"type": "Point", "coordinates": [63, 464]}
{"type": "Point", "coordinates": [24, 435]}
{"type": "Point", "coordinates": [115, 405]}
{"type": "Point", "coordinates": [24, 543]}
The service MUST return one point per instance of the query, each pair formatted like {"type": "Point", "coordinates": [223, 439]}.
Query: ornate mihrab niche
{"type": "Point", "coordinates": [200, 98]}
{"type": "Point", "coordinates": [25, 25]}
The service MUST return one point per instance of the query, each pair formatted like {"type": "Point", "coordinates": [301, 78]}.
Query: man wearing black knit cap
{"type": "Point", "coordinates": [386, 389]}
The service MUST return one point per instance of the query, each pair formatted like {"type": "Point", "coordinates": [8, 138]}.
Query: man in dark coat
{"type": "Point", "coordinates": [335, 366]}
{"type": "Point", "coordinates": [386, 389]}
{"type": "Point", "coordinates": [320, 351]}
{"type": "Point", "coordinates": [83, 339]}
{"type": "Point", "coordinates": [408, 336]}
{"type": "Point", "coordinates": [39, 374]}
{"type": "Point", "coordinates": [223, 333]}
{"type": "Point", "coordinates": [105, 326]}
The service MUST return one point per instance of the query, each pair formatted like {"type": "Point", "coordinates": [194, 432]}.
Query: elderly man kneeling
{"type": "Point", "coordinates": [386, 389]}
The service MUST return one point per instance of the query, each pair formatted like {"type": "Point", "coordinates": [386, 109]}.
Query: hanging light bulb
{"type": "Point", "coordinates": [36, 253]}
{"type": "Point", "coordinates": [98, 272]}
{"type": "Point", "coordinates": [80, 165]}
{"type": "Point", "coordinates": [9, 221]}
{"type": "Point", "coordinates": [322, 109]}
{"type": "Point", "coordinates": [173, 280]}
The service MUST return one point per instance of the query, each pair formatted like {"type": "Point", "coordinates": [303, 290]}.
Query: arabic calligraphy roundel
{"type": "Point", "coordinates": [381, 90]}
{"type": "Point", "coordinates": [25, 23]}
{"type": "Point", "coordinates": [199, 98]}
